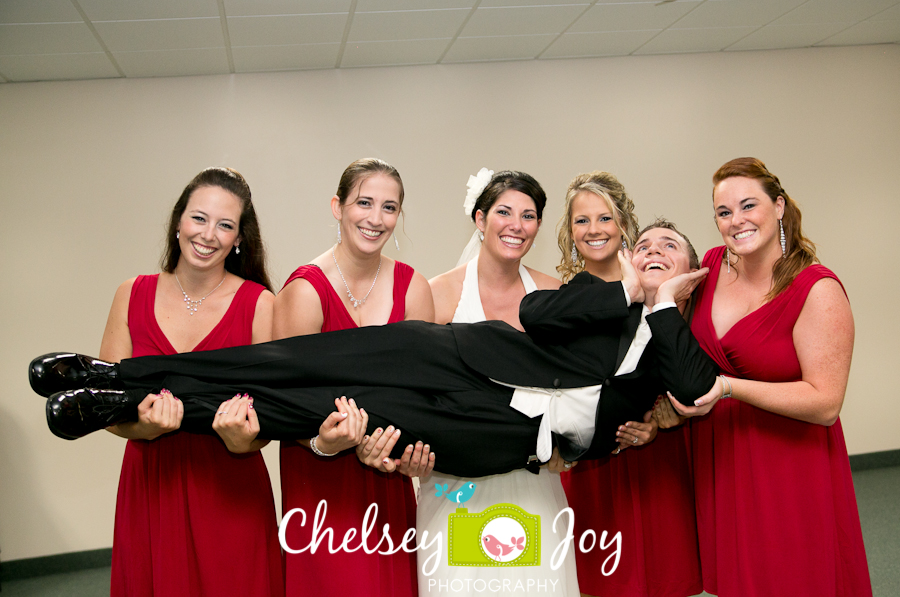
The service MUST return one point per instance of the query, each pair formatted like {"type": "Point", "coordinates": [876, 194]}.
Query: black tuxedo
{"type": "Point", "coordinates": [433, 381]}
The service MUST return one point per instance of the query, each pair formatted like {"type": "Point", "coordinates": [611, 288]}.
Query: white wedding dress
{"type": "Point", "coordinates": [540, 494]}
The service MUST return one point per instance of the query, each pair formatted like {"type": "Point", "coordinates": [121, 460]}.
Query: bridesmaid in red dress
{"type": "Point", "coordinates": [350, 285]}
{"type": "Point", "coordinates": [186, 505]}
{"type": "Point", "coordinates": [644, 492]}
{"type": "Point", "coordinates": [776, 508]}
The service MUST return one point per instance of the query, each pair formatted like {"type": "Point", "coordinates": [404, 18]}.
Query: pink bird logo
{"type": "Point", "coordinates": [494, 547]}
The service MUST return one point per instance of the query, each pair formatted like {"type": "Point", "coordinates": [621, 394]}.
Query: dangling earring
{"type": "Point", "coordinates": [237, 250]}
{"type": "Point", "coordinates": [574, 254]}
{"type": "Point", "coordinates": [728, 259]}
{"type": "Point", "coordinates": [624, 245]}
{"type": "Point", "coordinates": [396, 242]}
{"type": "Point", "coordinates": [177, 235]}
{"type": "Point", "coordinates": [339, 232]}
{"type": "Point", "coordinates": [481, 236]}
{"type": "Point", "coordinates": [783, 244]}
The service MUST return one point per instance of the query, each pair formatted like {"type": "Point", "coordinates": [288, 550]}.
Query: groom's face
{"type": "Point", "coordinates": [660, 254]}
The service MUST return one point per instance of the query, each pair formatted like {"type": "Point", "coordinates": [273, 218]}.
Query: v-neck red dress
{"type": "Point", "coordinates": [348, 487]}
{"type": "Point", "coordinates": [776, 509]}
{"type": "Point", "coordinates": [191, 517]}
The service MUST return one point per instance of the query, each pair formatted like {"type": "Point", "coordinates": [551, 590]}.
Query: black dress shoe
{"type": "Point", "coordinates": [76, 413]}
{"type": "Point", "coordinates": [60, 371]}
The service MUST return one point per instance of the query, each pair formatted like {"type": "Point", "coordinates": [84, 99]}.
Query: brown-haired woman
{"type": "Point", "coordinates": [776, 510]}
{"type": "Point", "coordinates": [185, 502]}
{"type": "Point", "coordinates": [350, 285]}
{"type": "Point", "coordinates": [644, 493]}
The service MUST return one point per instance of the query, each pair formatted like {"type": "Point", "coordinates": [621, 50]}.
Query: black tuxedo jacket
{"type": "Point", "coordinates": [578, 336]}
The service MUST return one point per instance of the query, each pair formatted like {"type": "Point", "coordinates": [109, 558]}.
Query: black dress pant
{"type": "Point", "coordinates": [408, 374]}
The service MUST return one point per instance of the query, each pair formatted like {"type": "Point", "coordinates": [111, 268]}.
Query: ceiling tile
{"type": "Point", "coordinates": [235, 8]}
{"type": "Point", "coordinates": [54, 67]}
{"type": "Point", "coordinates": [867, 32]}
{"type": "Point", "coordinates": [31, 11]}
{"type": "Point", "coordinates": [407, 24]}
{"type": "Point", "coordinates": [47, 38]}
{"type": "Point", "coordinates": [630, 17]}
{"type": "Point", "coordinates": [173, 63]}
{"type": "Point", "coordinates": [173, 34]}
{"type": "Point", "coordinates": [126, 10]}
{"type": "Point", "coordinates": [528, 20]}
{"type": "Point", "coordinates": [295, 57]}
{"type": "Point", "coordinates": [774, 37]}
{"type": "Point", "coordinates": [835, 11]}
{"type": "Point", "coordinates": [891, 14]}
{"type": "Point", "coordinates": [494, 3]}
{"type": "Point", "coordinates": [736, 13]}
{"type": "Point", "coordinates": [380, 53]}
{"type": "Point", "coordinates": [483, 49]}
{"type": "Point", "coordinates": [677, 41]}
{"type": "Point", "coordinates": [379, 5]}
{"type": "Point", "coordinates": [607, 43]}
{"type": "Point", "coordinates": [286, 30]}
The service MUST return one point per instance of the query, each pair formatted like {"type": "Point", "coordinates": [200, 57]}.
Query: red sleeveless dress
{"type": "Point", "coordinates": [192, 518]}
{"type": "Point", "coordinates": [646, 494]}
{"type": "Point", "coordinates": [776, 509]}
{"type": "Point", "coordinates": [348, 487]}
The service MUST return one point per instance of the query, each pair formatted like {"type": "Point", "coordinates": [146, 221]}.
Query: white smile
{"type": "Point", "coordinates": [203, 250]}
{"type": "Point", "coordinates": [371, 233]}
{"type": "Point", "coordinates": [743, 235]}
{"type": "Point", "coordinates": [656, 265]}
{"type": "Point", "coordinates": [511, 240]}
{"type": "Point", "coordinates": [597, 243]}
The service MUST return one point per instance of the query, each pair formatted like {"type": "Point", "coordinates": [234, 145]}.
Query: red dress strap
{"type": "Point", "coordinates": [334, 313]}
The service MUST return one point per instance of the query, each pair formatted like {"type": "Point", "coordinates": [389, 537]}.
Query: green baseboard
{"type": "Point", "coordinates": [57, 564]}
{"type": "Point", "coordinates": [871, 460]}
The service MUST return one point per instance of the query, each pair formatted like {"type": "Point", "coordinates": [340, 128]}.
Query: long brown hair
{"type": "Point", "coordinates": [800, 252]}
{"type": "Point", "coordinates": [607, 187]}
{"type": "Point", "coordinates": [250, 264]}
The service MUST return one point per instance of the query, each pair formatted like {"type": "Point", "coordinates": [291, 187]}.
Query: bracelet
{"type": "Point", "coordinates": [725, 382]}
{"type": "Point", "coordinates": [317, 451]}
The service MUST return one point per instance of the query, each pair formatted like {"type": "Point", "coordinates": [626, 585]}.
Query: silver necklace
{"type": "Point", "coordinates": [191, 304]}
{"type": "Point", "coordinates": [356, 302]}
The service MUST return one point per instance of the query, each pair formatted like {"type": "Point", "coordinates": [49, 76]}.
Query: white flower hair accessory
{"type": "Point", "coordinates": [476, 185]}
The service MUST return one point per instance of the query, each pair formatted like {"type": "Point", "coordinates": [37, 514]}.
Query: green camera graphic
{"type": "Point", "coordinates": [502, 535]}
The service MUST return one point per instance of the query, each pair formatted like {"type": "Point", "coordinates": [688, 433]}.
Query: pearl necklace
{"type": "Point", "coordinates": [356, 302]}
{"type": "Point", "coordinates": [191, 304]}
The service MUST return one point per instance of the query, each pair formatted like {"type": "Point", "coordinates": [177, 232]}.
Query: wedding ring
{"type": "Point", "coordinates": [634, 440]}
{"type": "Point", "coordinates": [568, 465]}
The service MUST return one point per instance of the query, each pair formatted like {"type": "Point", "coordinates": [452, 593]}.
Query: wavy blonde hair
{"type": "Point", "coordinates": [800, 252]}
{"type": "Point", "coordinates": [607, 187]}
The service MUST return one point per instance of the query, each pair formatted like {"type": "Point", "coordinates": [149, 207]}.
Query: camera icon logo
{"type": "Point", "coordinates": [501, 535]}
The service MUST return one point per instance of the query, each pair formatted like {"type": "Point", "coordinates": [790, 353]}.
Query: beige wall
{"type": "Point", "coordinates": [89, 169]}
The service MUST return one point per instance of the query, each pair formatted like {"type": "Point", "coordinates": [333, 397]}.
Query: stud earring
{"type": "Point", "coordinates": [574, 254]}
{"type": "Point", "coordinates": [481, 236]}
{"type": "Point", "coordinates": [396, 242]}
{"type": "Point", "coordinates": [783, 244]}
{"type": "Point", "coordinates": [237, 250]}
{"type": "Point", "coordinates": [339, 232]}
{"type": "Point", "coordinates": [177, 235]}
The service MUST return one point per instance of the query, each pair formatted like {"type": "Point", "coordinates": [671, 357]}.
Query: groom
{"type": "Point", "coordinates": [485, 396]}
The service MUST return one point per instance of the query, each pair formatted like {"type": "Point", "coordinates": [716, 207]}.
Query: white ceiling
{"type": "Point", "coordinates": [44, 40]}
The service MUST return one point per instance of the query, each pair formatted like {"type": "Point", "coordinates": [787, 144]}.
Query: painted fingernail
{"type": "Point", "coordinates": [390, 429]}
{"type": "Point", "coordinates": [378, 431]}
{"type": "Point", "coordinates": [427, 447]}
{"type": "Point", "coordinates": [698, 403]}
{"type": "Point", "coordinates": [386, 461]}
{"type": "Point", "coordinates": [365, 438]}
{"type": "Point", "coordinates": [344, 414]}
{"type": "Point", "coordinates": [418, 444]}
